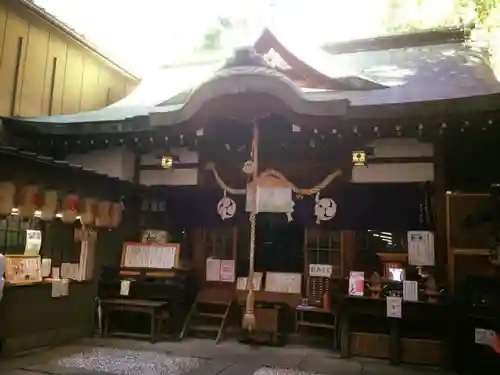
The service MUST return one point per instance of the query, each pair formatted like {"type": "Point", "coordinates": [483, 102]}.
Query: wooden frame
{"type": "Point", "coordinates": [168, 245]}
{"type": "Point", "coordinates": [338, 266]}
{"type": "Point", "coordinates": [452, 250]}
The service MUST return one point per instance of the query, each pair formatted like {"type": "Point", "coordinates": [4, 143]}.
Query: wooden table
{"type": "Point", "coordinates": [157, 310]}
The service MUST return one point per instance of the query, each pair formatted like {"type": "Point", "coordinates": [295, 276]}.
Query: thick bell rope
{"type": "Point", "coordinates": [249, 321]}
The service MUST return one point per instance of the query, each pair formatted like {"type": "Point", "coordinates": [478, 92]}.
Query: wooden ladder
{"type": "Point", "coordinates": [207, 318]}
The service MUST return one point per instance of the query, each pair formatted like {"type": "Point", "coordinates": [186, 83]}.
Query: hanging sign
{"type": "Point", "coordinates": [33, 242]}
{"type": "Point", "coordinates": [421, 248]}
{"type": "Point", "coordinates": [320, 270]}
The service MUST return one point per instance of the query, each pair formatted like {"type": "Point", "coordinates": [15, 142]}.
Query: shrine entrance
{"type": "Point", "coordinates": [279, 244]}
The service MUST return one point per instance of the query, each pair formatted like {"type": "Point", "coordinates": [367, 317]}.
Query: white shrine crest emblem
{"type": "Point", "coordinates": [325, 209]}
{"type": "Point", "coordinates": [226, 208]}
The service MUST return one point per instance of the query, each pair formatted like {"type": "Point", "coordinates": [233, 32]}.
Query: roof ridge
{"type": "Point", "coordinates": [420, 38]}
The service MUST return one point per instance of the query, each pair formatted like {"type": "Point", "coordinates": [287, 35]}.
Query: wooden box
{"type": "Point", "coordinates": [422, 351]}
{"type": "Point", "coordinates": [375, 345]}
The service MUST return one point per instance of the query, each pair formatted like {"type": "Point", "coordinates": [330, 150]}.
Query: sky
{"type": "Point", "coordinates": [142, 35]}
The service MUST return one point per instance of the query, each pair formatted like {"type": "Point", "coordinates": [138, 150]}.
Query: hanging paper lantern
{"type": "Point", "coordinates": [27, 201]}
{"type": "Point", "coordinates": [70, 209]}
{"type": "Point", "coordinates": [87, 215]}
{"type": "Point", "coordinates": [116, 215]}
{"type": "Point", "coordinates": [7, 192]}
{"type": "Point", "coordinates": [103, 219]}
{"type": "Point", "coordinates": [49, 206]}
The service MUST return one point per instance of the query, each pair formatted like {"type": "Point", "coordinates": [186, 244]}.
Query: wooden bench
{"type": "Point", "coordinates": [157, 310]}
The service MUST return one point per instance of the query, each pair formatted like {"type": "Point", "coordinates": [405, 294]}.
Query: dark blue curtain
{"type": "Point", "coordinates": [359, 206]}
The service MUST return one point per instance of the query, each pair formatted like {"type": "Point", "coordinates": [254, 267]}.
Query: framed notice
{"type": "Point", "coordinates": [283, 282]}
{"type": "Point", "coordinates": [23, 269]}
{"type": "Point", "coordinates": [139, 255]}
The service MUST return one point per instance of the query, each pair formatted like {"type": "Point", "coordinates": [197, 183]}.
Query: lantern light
{"type": "Point", "coordinates": [167, 162]}
{"type": "Point", "coordinates": [359, 158]}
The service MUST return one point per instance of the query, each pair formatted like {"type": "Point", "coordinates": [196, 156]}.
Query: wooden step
{"type": "Point", "coordinates": [210, 315]}
{"type": "Point", "coordinates": [218, 303]}
{"type": "Point", "coordinates": [204, 328]}
{"type": "Point", "coordinates": [317, 325]}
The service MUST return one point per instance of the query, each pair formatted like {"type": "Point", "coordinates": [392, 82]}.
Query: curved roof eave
{"type": "Point", "coordinates": [251, 79]}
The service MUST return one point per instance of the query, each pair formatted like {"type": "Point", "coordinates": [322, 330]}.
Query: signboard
{"type": "Point", "coordinates": [356, 283]}
{"type": "Point", "coordinates": [320, 270]}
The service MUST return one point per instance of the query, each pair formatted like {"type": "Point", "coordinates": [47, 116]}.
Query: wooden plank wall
{"type": "Point", "coordinates": [45, 72]}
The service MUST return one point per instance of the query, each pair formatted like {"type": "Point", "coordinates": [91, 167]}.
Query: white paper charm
{"type": "Point", "coordinates": [125, 288]}
{"type": "Point", "coordinates": [226, 208]}
{"type": "Point", "coordinates": [325, 209]}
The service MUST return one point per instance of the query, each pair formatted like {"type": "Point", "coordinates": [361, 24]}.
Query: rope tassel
{"type": "Point", "coordinates": [249, 321]}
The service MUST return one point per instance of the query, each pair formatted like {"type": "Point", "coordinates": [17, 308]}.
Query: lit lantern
{"type": "Point", "coordinates": [87, 215]}
{"type": "Point", "coordinates": [103, 219]}
{"type": "Point", "coordinates": [49, 206]}
{"type": "Point", "coordinates": [28, 201]}
{"type": "Point", "coordinates": [359, 158]}
{"type": "Point", "coordinates": [116, 215]}
{"type": "Point", "coordinates": [167, 162]}
{"type": "Point", "coordinates": [7, 193]}
{"type": "Point", "coordinates": [70, 209]}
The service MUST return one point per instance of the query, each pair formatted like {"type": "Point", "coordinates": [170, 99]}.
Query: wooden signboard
{"type": "Point", "coordinates": [159, 256]}
{"type": "Point", "coordinates": [23, 269]}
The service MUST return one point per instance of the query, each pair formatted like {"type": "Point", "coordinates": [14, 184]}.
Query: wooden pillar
{"type": "Point", "coordinates": [439, 192]}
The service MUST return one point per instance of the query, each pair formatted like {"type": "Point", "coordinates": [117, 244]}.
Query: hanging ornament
{"type": "Point", "coordinates": [115, 214]}
{"type": "Point", "coordinates": [70, 209]}
{"type": "Point", "coordinates": [226, 208]}
{"type": "Point", "coordinates": [7, 192]}
{"type": "Point", "coordinates": [325, 209]}
{"type": "Point", "coordinates": [87, 215]}
{"type": "Point", "coordinates": [103, 219]}
{"type": "Point", "coordinates": [49, 206]}
{"type": "Point", "coordinates": [248, 167]}
{"type": "Point", "coordinates": [27, 203]}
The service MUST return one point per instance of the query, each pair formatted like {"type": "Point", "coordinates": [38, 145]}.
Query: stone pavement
{"type": "Point", "coordinates": [193, 357]}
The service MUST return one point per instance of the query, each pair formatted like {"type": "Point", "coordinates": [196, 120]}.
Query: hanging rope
{"type": "Point", "coordinates": [249, 321]}
{"type": "Point", "coordinates": [274, 173]}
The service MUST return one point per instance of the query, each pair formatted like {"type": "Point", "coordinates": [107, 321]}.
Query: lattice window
{"type": "Point", "coordinates": [321, 247]}
{"type": "Point", "coordinates": [220, 243]}
{"type": "Point", "coordinates": [13, 233]}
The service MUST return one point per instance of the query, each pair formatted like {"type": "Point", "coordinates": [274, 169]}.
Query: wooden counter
{"type": "Point", "coordinates": [30, 318]}
{"type": "Point", "coordinates": [420, 336]}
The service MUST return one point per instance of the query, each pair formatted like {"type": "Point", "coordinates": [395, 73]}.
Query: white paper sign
{"type": "Point", "coordinates": [213, 269]}
{"type": "Point", "coordinates": [320, 270]}
{"type": "Point", "coordinates": [421, 248]}
{"type": "Point", "coordinates": [46, 266]}
{"type": "Point", "coordinates": [484, 336]}
{"type": "Point", "coordinates": [275, 200]}
{"type": "Point", "coordinates": [56, 288]}
{"type": "Point", "coordinates": [394, 307]}
{"type": "Point", "coordinates": [124, 287]}
{"type": "Point", "coordinates": [227, 273]}
{"type": "Point", "coordinates": [356, 283]}
{"type": "Point", "coordinates": [410, 290]}
{"type": "Point", "coordinates": [33, 242]}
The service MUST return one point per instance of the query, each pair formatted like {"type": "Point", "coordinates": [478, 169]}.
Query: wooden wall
{"type": "Point", "coordinates": [43, 71]}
